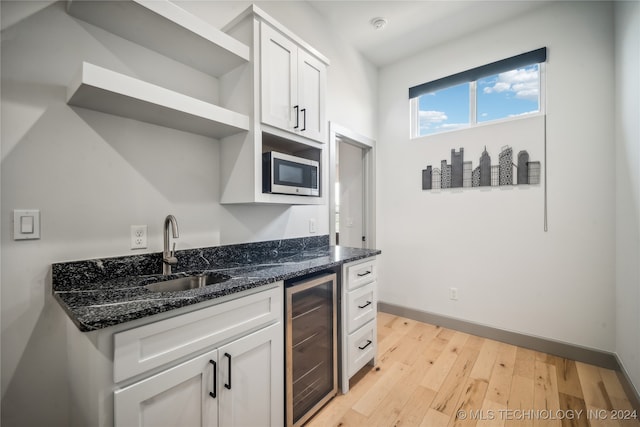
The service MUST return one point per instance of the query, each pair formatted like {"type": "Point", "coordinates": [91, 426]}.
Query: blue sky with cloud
{"type": "Point", "coordinates": [509, 94]}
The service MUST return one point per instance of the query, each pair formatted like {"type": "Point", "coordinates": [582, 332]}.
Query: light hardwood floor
{"type": "Point", "coordinates": [430, 376]}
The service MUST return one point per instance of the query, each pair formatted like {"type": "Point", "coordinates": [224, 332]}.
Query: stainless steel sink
{"type": "Point", "coordinates": [190, 282]}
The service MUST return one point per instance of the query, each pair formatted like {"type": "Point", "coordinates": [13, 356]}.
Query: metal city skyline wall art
{"type": "Point", "coordinates": [460, 173]}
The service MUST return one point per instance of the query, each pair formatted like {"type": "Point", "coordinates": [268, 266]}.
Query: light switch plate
{"type": "Point", "coordinates": [26, 224]}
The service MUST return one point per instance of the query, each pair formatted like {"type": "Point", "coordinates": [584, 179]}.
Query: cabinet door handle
{"type": "Point", "coordinates": [215, 380]}
{"type": "Point", "coordinates": [295, 107]}
{"type": "Point", "coordinates": [304, 119]}
{"type": "Point", "coordinates": [364, 274]}
{"type": "Point", "coordinates": [366, 345]}
{"type": "Point", "coordinates": [228, 385]}
{"type": "Point", "coordinates": [363, 306]}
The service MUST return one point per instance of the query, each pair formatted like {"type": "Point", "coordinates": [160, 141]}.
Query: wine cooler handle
{"type": "Point", "coordinates": [215, 380]}
{"type": "Point", "coordinates": [366, 345]}
{"type": "Point", "coordinates": [228, 385]}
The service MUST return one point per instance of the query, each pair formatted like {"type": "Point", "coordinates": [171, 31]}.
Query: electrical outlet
{"type": "Point", "coordinates": [453, 294]}
{"type": "Point", "coordinates": [312, 225]}
{"type": "Point", "coordinates": [138, 237]}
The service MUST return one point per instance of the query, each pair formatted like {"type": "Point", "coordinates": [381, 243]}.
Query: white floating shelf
{"type": "Point", "coordinates": [104, 90]}
{"type": "Point", "coordinates": [167, 29]}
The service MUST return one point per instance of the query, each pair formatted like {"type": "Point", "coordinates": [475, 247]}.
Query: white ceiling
{"type": "Point", "coordinates": [413, 25]}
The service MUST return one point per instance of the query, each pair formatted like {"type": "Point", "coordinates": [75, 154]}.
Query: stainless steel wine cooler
{"type": "Point", "coordinates": [311, 346]}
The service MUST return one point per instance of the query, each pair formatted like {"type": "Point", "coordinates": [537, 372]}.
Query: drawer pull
{"type": "Point", "coordinates": [215, 380]}
{"type": "Point", "coordinates": [366, 345]}
{"type": "Point", "coordinates": [367, 304]}
{"type": "Point", "coordinates": [364, 274]}
{"type": "Point", "coordinates": [228, 385]}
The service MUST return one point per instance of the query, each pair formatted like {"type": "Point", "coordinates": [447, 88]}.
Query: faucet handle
{"type": "Point", "coordinates": [170, 259]}
{"type": "Point", "coordinates": [173, 249]}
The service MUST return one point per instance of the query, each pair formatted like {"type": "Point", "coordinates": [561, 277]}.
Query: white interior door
{"type": "Point", "coordinates": [350, 202]}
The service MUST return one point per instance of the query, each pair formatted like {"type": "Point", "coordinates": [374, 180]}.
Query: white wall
{"type": "Point", "coordinates": [93, 175]}
{"type": "Point", "coordinates": [627, 137]}
{"type": "Point", "coordinates": [510, 274]}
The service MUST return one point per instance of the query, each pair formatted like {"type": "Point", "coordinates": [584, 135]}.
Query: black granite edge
{"type": "Point", "coordinates": [69, 311]}
{"type": "Point", "coordinates": [74, 273]}
{"type": "Point", "coordinates": [152, 307]}
{"type": "Point", "coordinates": [148, 307]}
{"type": "Point", "coordinates": [91, 317]}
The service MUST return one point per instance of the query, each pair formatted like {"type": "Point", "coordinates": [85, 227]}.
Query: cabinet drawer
{"type": "Point", "coordinates": [361, 306]}
{"type": "Point", "coordinates": [362, 347]}
{"type": "Point", "coordinates": [150, 346]}
{"type": "Point", "coordinates": [359, 273]}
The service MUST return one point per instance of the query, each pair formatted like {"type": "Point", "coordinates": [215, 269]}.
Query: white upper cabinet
{"type": "Point", "coordinates": [312, 84]}
{"type": "Point", "coordinates": [293, 86]}
{"type": "Point", "coordinates": [279, 77]}
{"type": "Point", "coordinates": [287, 85]}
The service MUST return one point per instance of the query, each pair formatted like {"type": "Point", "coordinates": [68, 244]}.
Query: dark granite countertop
{"type": "Point", "coordinates": [99, 293]}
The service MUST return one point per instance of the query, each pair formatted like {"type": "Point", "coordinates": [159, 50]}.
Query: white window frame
{"type": "Point", "coordinates": [414, 125]}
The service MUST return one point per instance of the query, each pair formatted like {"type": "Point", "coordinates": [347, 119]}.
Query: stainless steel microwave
{"type": "Point", "coordinates": [286, 174]}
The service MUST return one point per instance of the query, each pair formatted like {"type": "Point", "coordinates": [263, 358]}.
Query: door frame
{"type": "Point", "coordinates": [336, 133]}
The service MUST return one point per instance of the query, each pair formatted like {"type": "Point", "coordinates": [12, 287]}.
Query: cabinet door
{"type": "Point", "coordinates": [179, 396]}
{"type": "Point", "coordinates": [279, 79]}
{"type": "Point", "coordinates": [251, 379]}
{"type": "Point", "coordinates": [312, 83]}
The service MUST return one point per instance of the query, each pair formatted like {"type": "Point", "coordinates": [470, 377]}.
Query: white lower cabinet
{"type": "Point", "coordinates": [234, 385]}
{"type": "Point", "coordinates": [217, 366]}
{"type": "Point", "coordinates": [178, 396]}
{"type": "Point", "coordinates": [250, 380]}
{"type": "Point", "coordinates": [359, 309]}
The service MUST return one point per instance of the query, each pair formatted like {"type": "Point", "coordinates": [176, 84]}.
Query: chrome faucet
{"type": "Point", "coordinates": [169, 256]}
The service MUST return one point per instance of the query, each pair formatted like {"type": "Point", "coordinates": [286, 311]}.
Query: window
{"type": "Point", "coordinates": [509, 94]}
{"type": "Point", "coordinates": [508, 88]}
{"type": "Point", "coordinates": [446, 109]}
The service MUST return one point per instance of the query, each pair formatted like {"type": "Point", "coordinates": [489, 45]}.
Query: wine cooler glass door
{"type": "Point", "coordinates": [311, 346]}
